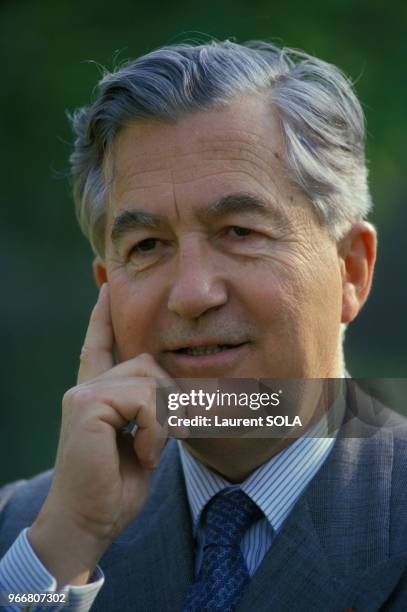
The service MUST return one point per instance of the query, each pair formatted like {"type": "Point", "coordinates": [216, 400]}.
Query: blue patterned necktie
{"type": "Point", "coordinates": [223, 573]}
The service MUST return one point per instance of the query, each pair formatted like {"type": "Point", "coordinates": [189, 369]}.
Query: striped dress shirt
{"type": "Point", "coordinates": [275, 487]}
{"type": "Point", "coordinates": [22, 572]}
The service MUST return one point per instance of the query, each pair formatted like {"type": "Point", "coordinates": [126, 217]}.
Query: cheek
{"type": "Point", "coordinates": [292, 298]}
{"type": "Point", "coordinates": [327, 289]}
{"type": "Point", "coordinates": [271, 298]}
{"type": "Point", "coordinates": [132, 319]}
{"type": "Point", "coordinates": [320, 306]}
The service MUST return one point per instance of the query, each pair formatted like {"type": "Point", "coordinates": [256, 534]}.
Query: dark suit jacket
{"type": "Point", "coordinates": [344, 546]}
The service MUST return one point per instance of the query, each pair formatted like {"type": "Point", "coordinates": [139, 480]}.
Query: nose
{"type": "Point", "coordinates": [197, 286]}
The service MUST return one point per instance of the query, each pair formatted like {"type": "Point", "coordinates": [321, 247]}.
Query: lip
{"type": "Point", "coordinates": [205, 342]}
{"type": "Point", "coordinates": [183, 365]}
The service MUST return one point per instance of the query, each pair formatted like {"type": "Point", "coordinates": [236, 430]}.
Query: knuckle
{"type": "Point", "coordinates": [78, 396]}
{"type": "Point", "coordinates": [68, 397]}
{"type": "Point", "coordinates": [145, 394]}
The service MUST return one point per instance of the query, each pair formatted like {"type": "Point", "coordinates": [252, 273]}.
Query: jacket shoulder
{"type": "Point", "coordinates": [398, 531]}
{"type": "Point", "coordinates": [20, 503]}
{"type": "Point", "coordinates": [374, 443]}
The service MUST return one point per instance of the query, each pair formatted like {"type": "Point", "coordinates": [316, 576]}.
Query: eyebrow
{"type": "Point", "coordinates": [133, 219]}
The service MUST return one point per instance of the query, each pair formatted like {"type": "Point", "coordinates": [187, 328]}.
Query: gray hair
{"type": "Point", "coordinates": [321, 118]}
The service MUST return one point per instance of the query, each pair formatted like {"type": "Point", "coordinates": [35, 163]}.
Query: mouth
{"type": "Point", "coordinates": [208, 360]}
{"type": "Point", "coordinates": [211, 349]}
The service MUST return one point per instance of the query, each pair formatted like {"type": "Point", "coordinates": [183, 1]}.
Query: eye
{"type": "Point", "coordinates": [239, 231]}
{"type": "Point", "coordinates": [143, 246]}
{"type": "Point", "coordinates": [147, 252]}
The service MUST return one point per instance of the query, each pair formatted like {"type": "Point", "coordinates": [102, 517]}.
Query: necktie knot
{"type": "Point", "coordinates": [228, 515]}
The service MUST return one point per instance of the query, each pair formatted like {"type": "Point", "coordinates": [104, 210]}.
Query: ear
{"type": "Point", "coordinates": [357, 252]}
{"type": "Point", "coordinates": [99, 272]}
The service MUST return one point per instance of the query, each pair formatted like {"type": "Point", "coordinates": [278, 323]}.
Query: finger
{"type": "Point", "coordinates": [149, 442]}
{"type": "Point", "coordinates": [135, 401]}
{"type": "Point", "coordinates": [144, 365]}
{"type": "Point", "coordinates": [114, 401]}
{"type": "Point", "coordinates": [97, 352]}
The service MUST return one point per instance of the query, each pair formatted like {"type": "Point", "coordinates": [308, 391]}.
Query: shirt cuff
{"type": "Point", "coordinates": [22, 572]}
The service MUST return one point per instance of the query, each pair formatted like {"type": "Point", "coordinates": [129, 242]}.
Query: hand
{"type": "Point", "coordinates": [102, 476]}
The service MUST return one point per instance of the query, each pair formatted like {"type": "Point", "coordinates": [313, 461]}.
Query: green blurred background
{"type": "Point", "coordinates": [47, 289]}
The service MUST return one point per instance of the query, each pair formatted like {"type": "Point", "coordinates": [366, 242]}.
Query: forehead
{"type": "Point", "coordinates": [200, 158]}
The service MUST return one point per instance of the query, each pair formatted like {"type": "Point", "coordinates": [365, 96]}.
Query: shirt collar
{"type": "Point", "coordinates": [277, 484]}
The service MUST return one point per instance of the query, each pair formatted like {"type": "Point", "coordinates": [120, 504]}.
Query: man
{"type": "Point", "coordinates": [223, 189]}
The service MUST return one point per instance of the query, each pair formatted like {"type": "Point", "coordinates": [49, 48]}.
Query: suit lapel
{"type": "Point", "coordinates": [150, 566]}
{"type": "Point", "coordinates": [295, 573]}
{"type": "Point", "coordinates": [337, 532]}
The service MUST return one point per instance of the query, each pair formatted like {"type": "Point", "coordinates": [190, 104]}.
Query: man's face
{"type": "Point", "coordinates": [223, 251]}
